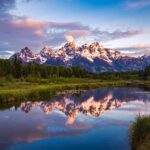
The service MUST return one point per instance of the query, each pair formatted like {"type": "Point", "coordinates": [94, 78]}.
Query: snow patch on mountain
{"type": "Point", "coordinates": [93, 57]}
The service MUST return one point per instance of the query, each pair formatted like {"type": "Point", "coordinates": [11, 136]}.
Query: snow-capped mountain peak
{"type": "Point", "coordinates": [47, 52]}
{"type": "Point", "coordinates": [95, 50]}
{"type": "Point", "coordinates": [68, 52]}
{"type": "Point", "coordinates": [26, 52]}
{"type": "Point", "coordinates": [92, 57]}
{"type": "Point", "coordinates": [25, 55]}
{"type": "Point", "coordinates": [70, 45]}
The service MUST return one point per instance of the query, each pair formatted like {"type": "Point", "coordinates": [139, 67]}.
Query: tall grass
{"type": "Point", "coordinates": [44, 89]}
{"type": "Point", "coordinates": [140, 133]}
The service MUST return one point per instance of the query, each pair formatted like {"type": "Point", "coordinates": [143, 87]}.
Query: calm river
{"type": "Point", "coordinates": [97, 119]}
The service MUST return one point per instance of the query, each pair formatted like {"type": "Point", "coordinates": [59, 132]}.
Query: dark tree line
{"type": "Point", "coordinates": [146, 73]}
{"type": "Point", "coordinates": [17, 69]}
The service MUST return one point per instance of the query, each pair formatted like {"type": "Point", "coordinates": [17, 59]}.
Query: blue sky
{"type": "Point", "coordinates": [119, 24]}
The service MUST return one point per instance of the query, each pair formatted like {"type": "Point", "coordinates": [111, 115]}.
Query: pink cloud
{"type": "Point", "coordinates": [35, 26]}
{"type": "Point", "coordinates": [22, 32]}
{"type": "Point", "coordinates": [17, 33]}
{"type": "Point", "coordinates": [78, 33]}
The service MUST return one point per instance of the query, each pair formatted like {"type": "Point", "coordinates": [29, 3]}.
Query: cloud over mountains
{"type": "Point", "coordinates": [19, 31]}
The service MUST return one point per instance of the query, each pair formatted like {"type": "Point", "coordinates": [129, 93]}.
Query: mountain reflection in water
{"type": "Point", "coordinates": [92, 102]}
{"type": "Point", "coordinates": [77, 116]}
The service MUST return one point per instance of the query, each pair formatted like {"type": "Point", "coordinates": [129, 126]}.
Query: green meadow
{"type": "Point", "coordinates": [44, 89]}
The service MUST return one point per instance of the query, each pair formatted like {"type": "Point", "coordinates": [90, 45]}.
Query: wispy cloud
{"type": "Point", "coordinates": [136, 4]}
{"type": "Point", "coordinates": [19, 32]}
{"type": "Point", "coordinates": [135, 50]}
{"type": "Point", "coordinates": [87, 34]}
{"type": "Point", "coordinates": [117, 34]}
{"type": "Point", "coordinates": [6, 54]}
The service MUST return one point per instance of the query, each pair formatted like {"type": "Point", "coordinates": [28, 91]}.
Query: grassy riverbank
{"type": "Point", "coordinates": [42, 89]}
{"type": "Point", "coordinates": [17, 90]}
{"type": "Point", "coordinates": [140, 133]}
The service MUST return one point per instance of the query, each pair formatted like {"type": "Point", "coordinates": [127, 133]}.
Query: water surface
{"type": "Point", "coordinates": [97, 119]}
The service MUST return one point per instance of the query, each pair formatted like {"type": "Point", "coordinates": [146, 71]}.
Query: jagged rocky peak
{"type": "Point", "coordinates": [146, 55]}
{"type": "Point", "coordinates": [93, 47]}
{"type": "Point", "coordinates": [25, 55]}
{"type": "Point", "coordinates": [45, 54]}
{"type": "Point", "coordinates": [26, 51]}
{"type": "Point", "coordinates": [96, 44]}
{"type": "Point", "coordinates": [69, 49]}
{"type": "Point", "coordinates": [113, 54]}
{"type": "Point", "coordinates": [70, 45]}
{"type": "Point", "coordinates": [46, 50]}
{"type": "Point", "coordinates": [85, 46]}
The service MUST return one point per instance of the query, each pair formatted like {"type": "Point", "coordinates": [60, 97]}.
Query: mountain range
{"type": "Point", "coordinates": [93, 57]}
{"type": "Point", "coordinates": [91, 102]}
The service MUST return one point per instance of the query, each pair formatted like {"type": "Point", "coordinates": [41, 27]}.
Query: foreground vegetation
{"type": "Point", "coordinates": [17, 90]}
{"type": "Point", "coordinates": [140, 133]}
{"type": "Point", "coordinates": [32, 81]}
